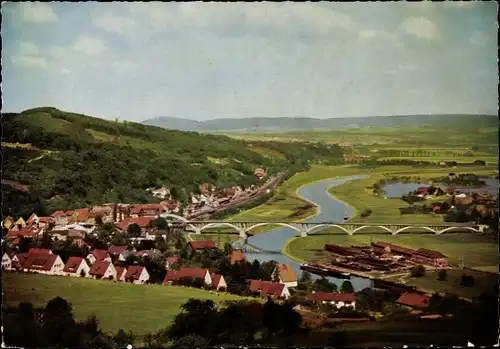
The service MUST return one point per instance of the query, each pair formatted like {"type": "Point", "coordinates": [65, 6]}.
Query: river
{"type": "Point", "coordinates": [329, 210]}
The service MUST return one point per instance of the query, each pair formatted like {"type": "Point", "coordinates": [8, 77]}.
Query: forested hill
{"type": "Point", "coordinates": [69, 160]}
{"type": "Point", "coordinates": [311, 124]}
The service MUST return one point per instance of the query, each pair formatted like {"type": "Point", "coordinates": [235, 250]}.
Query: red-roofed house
{"type": "Point", "coordinates": [102, 270]}
{"type": "Point", "coordinates": [98, 255]}
{"type": "Point", "coordinates": [201, 245]}
{"type": "Point", "coordinates": [18, 260]}
{"type": "Point", "coordinates": [171, 260]}
{"type": "Point", "coordinates": [285, 274]}
{"type": "Point", "coordinates": [268, 288]}
{"type": "Point", "coordinates": [43, 222]}
{"type": "Point", "coordinates": [236, 256]}
{"type": "Point", "coordinates": [142, 222]}
{"type": "Point", "coordinates": [340, 300]}
{"type": "Point", "coordinates": [120, 273]}
{"type": "Point", "coordinates": [6, 262]}
{"type": "Point", "coordinates": [32, 220]}
{"type": "Point", "coordinates": [413, 299]}
{"type": "Point", "coordinates": [75, 266]}
{"type": "Point", "coordinates": [422, 191]}
{"type": "Point", "coordinates": [118, 251]}
{"type": "Point", "coordinates": [430, 257]}
{"type": "Point", "coordinates": [39, 251]}
{"type": "Point", "coordinates": [50, 264]}
{"type": "Point", "coordinates": [218, 281]}
{"type": "Point", "coordinates": [80, 243]}
{"type": "Point", "coordinates": [81, 215]}
{"type": "Point", "coordinates": [147, 210]}
{"type": "Point", "coordinates": [61, 217]}
{"type": "Point", "coordinates": [136, 274]}
{"type": "Point", "coordinates": [195, 273]}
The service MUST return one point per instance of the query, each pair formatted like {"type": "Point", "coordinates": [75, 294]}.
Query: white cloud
{"type": "Point", "coordinates": [65, 71]}
{"type": "Point", "coordinates": [460, 4]}
{"type": "Point", "coordinates": [421, 27]}
{"type": "Point", "coordinates": [90, 46]}
{"type": "Point", "coordinates": [125, 65]}
{"type": "Point", "coordinates": [115, 24]}
{"type": "Point", "coordinates": [37, 13]}
{"type": "Point", "coordinates": [403, 68]}
{"type": "Point", "coordinates": [28, 48]}
{"type": "Point", "coordinates": [25, 61]}
{"type": "Point", "coordinates": [377, 34]}
{"type": "Point", "coordinates": [478, 38]}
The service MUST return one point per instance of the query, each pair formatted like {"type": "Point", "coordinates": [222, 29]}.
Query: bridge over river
{"type": "Point", "coordinates": [309, 228]}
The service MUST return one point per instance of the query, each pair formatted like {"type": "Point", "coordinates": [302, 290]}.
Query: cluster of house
{"type": "Point", "coordinates": [99, 265]}
{"type": "Point", "coordinates": [382, 256]}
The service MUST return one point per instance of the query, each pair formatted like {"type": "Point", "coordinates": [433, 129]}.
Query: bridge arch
{"type": "Point", "coordinates": [309, 231]}
{"type": "Point", "coordinates": [457, 228]}
{"type": "Point", "coordinates": [372, 226]}
{"type": "Point", "coordinates": [414, 227]}
{"type": "Point", "coordinates": [219, 225]}
{"type": "Point", "coordinates": [178, 218]}
{"type": "Point", "coordinates": [271, 223]}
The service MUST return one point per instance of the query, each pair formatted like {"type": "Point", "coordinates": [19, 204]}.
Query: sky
{"type": "Point", "coordinates": [136, 61]}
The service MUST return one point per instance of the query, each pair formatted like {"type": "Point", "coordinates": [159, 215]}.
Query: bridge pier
{"type": "Point", "coordinates": [242, 233]}
{"type": "Point", "coordinates": [303, 234]}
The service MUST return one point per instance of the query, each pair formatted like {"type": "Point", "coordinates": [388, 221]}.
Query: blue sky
{"type": "Point", "coordinates": [200, 61]}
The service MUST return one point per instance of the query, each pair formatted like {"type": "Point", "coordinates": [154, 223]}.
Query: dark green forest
{"type": "Point", "coordinates": [70, 160]}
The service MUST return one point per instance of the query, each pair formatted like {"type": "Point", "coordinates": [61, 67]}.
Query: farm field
{"type": "Point", "coordinates": [459, 159]}
{"type": "Point", "coordinates": [359, 195]}
{"type": "Point", "coordinates": [478, 250]}
{"type": "Point", "coordinates": [140, 308]}
{"type": "Point", "coordinates": [285, 202]}
{"type": "Point", "coordinates": [483, 282]}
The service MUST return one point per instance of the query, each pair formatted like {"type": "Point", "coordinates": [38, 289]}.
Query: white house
{"type": "Point", "coordinates": [98, 255]}
{"type": "Point", "coordinates": [120, 273]}
{"type": "Point", "coordinates": [339, 300]}
{"type": "Point", "coordinates": [136, 274]}
{"type": "Point", "coordinates": [75, 266]}
{"type": "Point", "coordinates": [285, 274]}
{"type": "Point", "coordinates": [218, 281]}
{"type": "Point", "coordinates": [102, 270]}
{"type": "Point", "coordinates": [6, 262]}
{"type": "Point", "coordinates": [50, 264]}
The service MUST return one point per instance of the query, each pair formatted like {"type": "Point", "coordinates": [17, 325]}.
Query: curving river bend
{"type": "Point", "coordinates": [329, 209]}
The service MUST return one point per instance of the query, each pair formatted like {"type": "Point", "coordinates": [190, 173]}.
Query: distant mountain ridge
{"type": "Point", "coordinates": [289, 124]}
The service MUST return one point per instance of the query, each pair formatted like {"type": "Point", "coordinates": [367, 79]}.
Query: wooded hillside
{"type": "Point", "coordinates": [70, 160]}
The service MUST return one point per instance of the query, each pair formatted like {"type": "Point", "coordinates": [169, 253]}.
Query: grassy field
{"type": "Point", "coordinates": [478, 250]}
{"type": "Point", "coordinates": [482, 282]}
{"type": "Point", "coordinates": [359, 195]}
{"type": "Point", "coordinates": [285, 202]}
{"type": "Point", "coordinates": [459, 159]}
{"type": "Point", "coordinates": [140, 308]}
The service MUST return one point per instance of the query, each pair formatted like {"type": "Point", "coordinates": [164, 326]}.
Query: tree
{"type": "Point", "coordinates": [467, 280]}
{"type": "Point", "coordinates": [58, 325]}
{"type": "Point", "coordinates": [442, 275]}
{"type": "Point", "coordinates": [98, 220]}
{"type": "Point", "coordinates": [160, 223]}
{"type": "Point", "coordinates": [123, 338]}
{"type": "Point", "coordinates": [417, 271]}
{"type": "Point", "coordinates": [133, 230]}
{"type": "Point", "coordinates": [346, 287]}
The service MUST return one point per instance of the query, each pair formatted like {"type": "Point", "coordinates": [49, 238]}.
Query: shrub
{"type": "Point", "coordinates": [418, 271]}
{"type": "Point", "coordinates": [442, 275]}
{"type": "Point", "coordinates": [467, 280]}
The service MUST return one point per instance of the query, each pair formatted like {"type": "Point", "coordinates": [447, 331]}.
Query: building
{"type": "Point", "coordinates": [414, 299]}
{"type": "Point", "coordinates": [75, 266]}
{"type": "Point", "coordinates": [380, 247]}
{"type": "Point", "coordinates": [136, 274]}
{"type": "Point", "coordinates": [120, 273]}
{"type": "Point", "coordinates": [142, 222]}
{"type": "Point", "coordinates": [218, 281]}
{"type": "Point", "coordinates": [8, 222]}
{"type": "Point", "coordinates": [339, 300]}
{"type": "Point", "coordinates": [6, 262]}
{"type": "Point", "coordinates": [49, 264]}
{"type": "Point", "coordinates": [195, 273]}
{"type": "Point", "coordinates": [236, 256]}
{"type": "Point", "coordinates": [103, 270]}
{"type": "Point", "coordinates": [285, 274]}
{"type": "Point", "coordinates": [259, 173]}
{"type": "Point", "coordinates": [201, 245]}
{"type": "Point", "coordinates": [269, 289]}
{"type": "Point", "coordinates": [169, 261]}
{"type": "Point", "coordinates": [98, 255]}
{"type": "Point", "coordinates": [118, 251]}
{"type": "Point", "coordinates": [430, 257]}
{"type": "Point", "coordinates": [44, 251]}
